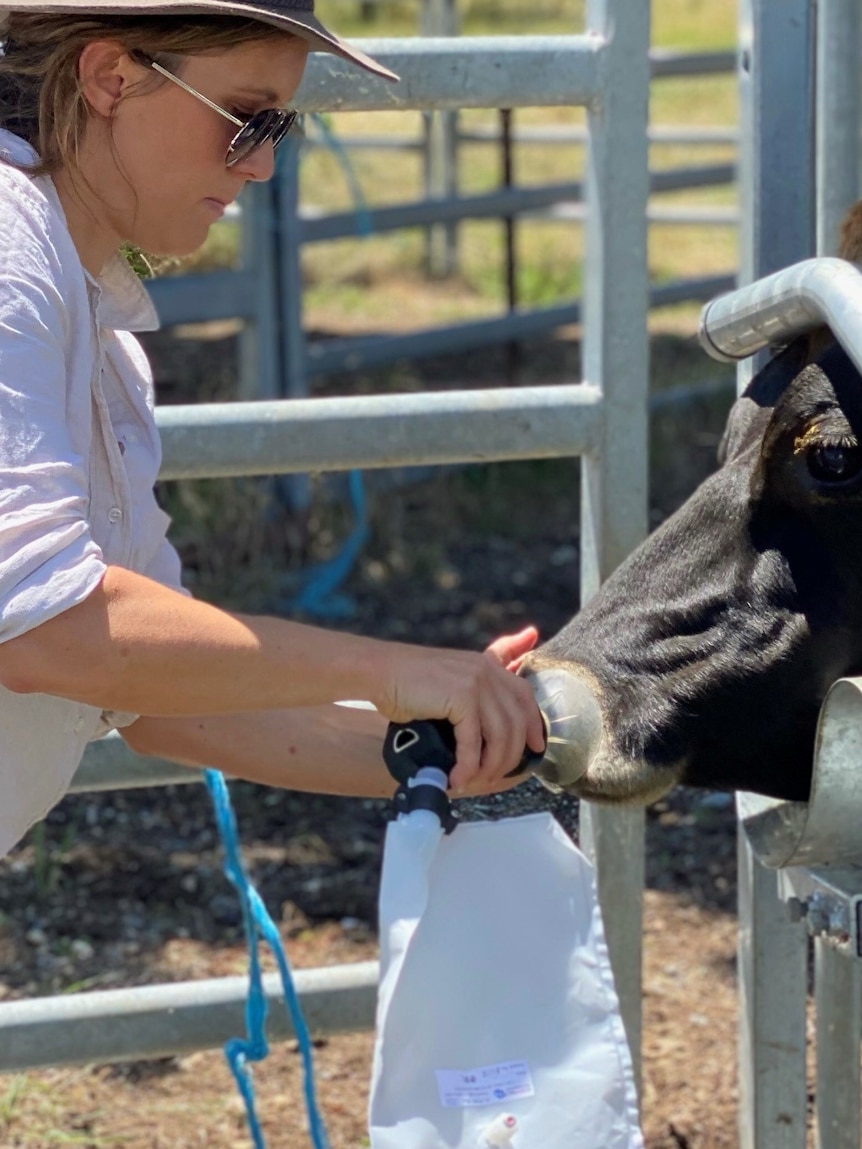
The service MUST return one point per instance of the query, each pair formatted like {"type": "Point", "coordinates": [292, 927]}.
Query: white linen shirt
{"type": "Point", "coordinates": [79, 454]}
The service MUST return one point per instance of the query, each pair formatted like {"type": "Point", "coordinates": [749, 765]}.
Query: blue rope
{"type": "Point", "coordinates": [240, 1052]}
{"type": "Point", "coordinates": [317, 595]}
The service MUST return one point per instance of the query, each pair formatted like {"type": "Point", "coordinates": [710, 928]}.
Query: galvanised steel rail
{"type": "Point", "coordinates": [359, 352]}
{"type": "Point", "coordinates": [677, 135]}
{"type": "Point", "coordinates": [176, 1018]}
{"type": "Point", "coordinates": [489, 205]}
{"type": "Point", "coordinates": [670, 62]}
{"type": "Point", "coordinates": [447, 74]}
{"type": "Point", "coordinates": [335, 434]}
{"type": "Point", "coordinates": [772, 310]}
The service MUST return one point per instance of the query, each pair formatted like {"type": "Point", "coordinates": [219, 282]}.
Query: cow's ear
{"type": "Point", "coordinates": [745, 423]}
{"type": "Point", "coordinates": [751, 411]}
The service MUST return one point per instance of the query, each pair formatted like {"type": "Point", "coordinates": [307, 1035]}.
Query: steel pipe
{"type": "Point", "coordinates": [355, 353]}
{"type": "Point", "coordinates": [314, 228]}
{"type": "Point", "coordinates": [825, 829]}
{"type": "Point", "coordinates": [163, 1020]}
{"type": "Point", "coordinates": [109, 764]}
{"type": "Point", "coordinates": [297, 435]}
{"type": "Point", "coordinates": [358, 352]}
{"type": "Point", "coordinates": [446, 73]}
{"type": "Point", "coordinates": [772, 310]}
{"type": "Point", "coordinates": [670, 62]}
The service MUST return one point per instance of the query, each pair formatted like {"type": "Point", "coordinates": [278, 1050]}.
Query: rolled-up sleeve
{"type": "Point", "coordinates": [48, 559]}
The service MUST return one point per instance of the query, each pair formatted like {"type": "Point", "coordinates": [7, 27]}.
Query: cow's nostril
{"type": "Point", "coordinates": [834, 464]}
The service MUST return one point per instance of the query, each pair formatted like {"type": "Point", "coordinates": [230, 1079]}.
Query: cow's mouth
{"type": "Point", "coordinates": [581, 758]}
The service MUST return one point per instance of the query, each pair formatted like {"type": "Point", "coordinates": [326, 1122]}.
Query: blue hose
{"type": "Point", "coordinates": [241, 1052]}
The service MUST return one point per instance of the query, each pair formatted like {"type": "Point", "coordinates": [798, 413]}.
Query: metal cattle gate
{"type": "Point", "coordinates": [603, 419]}
{"type": "Point", "coordinates": [277, 360]}
{"type": "Point", "coordinates": [800, 166]}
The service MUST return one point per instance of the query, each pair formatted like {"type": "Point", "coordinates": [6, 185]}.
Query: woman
{"type": "Point", "coordinates": [140, 128]}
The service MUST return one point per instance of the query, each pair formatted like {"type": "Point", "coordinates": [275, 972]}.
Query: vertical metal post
{"type": "Point", "coordinates": [777, 207]}
{"type": "Point", "coordinates": [772, 995]}
{"type": "Point", "coordinates": [838, 1000]}
{"type": "Point", "coordinates": [614, 482]}
{"type": "Point", "coordinates": [293, 383]}
{"type": "Point", "coordinates": [513, 350]}
{"type": "Point", "coordinates": [837, 977]}
{"type": "Point", "coordinates": [838, 117]}
{"type": "Point", "coordinates": [440, 18]}
{"type": "Point", "coordinates": [259, 351]}
{"type": "Point", "coordinates": [292, 335]}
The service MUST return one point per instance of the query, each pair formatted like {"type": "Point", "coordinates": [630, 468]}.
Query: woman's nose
{"type": "Point", "coordinates": [258, 165]}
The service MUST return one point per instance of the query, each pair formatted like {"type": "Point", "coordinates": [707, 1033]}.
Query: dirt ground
{"type": "Point", "coordinates": [126, 889]}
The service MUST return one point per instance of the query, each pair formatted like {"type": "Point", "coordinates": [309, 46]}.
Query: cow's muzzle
{"type": "Point", "coordinates": [573, 726]}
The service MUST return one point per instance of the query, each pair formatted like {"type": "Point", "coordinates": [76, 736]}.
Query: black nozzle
{"type": "Point", "coordinates": [409, 746]}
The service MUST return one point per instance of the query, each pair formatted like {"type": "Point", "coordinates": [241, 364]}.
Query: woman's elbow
{"type": "Point", "coordinates": [40, 661]}
{"type": "Point", "coordinates": [19, 668]}
{"type": "Point", "coordinates": [141, 737]}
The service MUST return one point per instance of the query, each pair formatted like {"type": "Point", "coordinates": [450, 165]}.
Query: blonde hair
{"type": "Point", "coordinates": [40, 93]}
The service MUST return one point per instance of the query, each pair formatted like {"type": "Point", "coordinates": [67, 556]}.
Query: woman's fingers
{"type": "Point", "coordinates": [509, 721]}
{"type": "Point", "coordinates": [512, 648]}
{"type": "Point", "coordinates": [494, 712]}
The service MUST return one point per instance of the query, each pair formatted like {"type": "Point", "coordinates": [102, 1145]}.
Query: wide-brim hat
{"type": "Point", "coordinates": [296, 16]}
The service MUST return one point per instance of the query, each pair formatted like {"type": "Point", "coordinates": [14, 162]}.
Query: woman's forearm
{"type": "Point", "coordinates": [135, 645]}
{"type": "Point", "coordinates": [322, 749]}
{"type": "Point", "coordinates": [138, 646]}
{"type": "Point", "coordinates": [325, 749]}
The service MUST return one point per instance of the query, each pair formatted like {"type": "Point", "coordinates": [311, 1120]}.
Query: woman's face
{"type": "Point", "coordinates": [156, 161]}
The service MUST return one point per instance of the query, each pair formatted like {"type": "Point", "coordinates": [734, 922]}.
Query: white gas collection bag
{"type": "Point", "coordinates": [497, 1022]}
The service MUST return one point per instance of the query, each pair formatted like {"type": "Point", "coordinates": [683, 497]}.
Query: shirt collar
{"type": "Point", "coordinates": [121, 300]}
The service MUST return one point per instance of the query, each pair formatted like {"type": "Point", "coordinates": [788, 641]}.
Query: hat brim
{"type": "Point", "coordinates": [300, 23]}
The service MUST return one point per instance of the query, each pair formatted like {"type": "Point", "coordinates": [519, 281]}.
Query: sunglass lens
{"type": "Point", "coordinates": [289, 119]}
{"type": "Point", "coordinates": [271, 124]}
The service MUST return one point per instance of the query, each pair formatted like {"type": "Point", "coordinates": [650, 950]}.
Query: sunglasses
{"type": "Point", "coordinates": [269, 125]}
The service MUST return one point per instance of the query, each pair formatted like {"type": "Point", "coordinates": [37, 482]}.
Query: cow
{"type": "Point", "coordinates": [704, 659]}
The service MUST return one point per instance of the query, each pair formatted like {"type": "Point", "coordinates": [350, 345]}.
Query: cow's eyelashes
{"type": "Point", "coordinates": [834, 464]}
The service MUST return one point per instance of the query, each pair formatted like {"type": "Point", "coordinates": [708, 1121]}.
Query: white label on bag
{"type": "Point", "coordinates": [489, 1085]}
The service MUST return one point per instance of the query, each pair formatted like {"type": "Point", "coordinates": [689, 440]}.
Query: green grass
{"type": "Point", "coordinates": [705, 25]}
{"type": "Point", "coordinates": [477, 17]}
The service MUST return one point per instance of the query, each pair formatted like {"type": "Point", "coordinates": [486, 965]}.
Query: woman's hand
{"type": "Point", "coordinates": [494, 712]}
{"type": "Point", "coordinates": [512, 649]}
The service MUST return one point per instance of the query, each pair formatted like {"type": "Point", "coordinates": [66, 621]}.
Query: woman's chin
{"type": "Point", "coordinates": [174, 247]}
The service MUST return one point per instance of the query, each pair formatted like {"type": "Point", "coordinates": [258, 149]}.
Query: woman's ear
{"type": "Point", "coordinates": [105, 71]}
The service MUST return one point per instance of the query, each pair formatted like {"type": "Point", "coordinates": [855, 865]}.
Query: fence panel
{"type": "Point", "coordinates": [595, 70]}
{"type": "Point", "coordinates": [778, 202]}
{"type": "Point", "coordinates": [278, 360]}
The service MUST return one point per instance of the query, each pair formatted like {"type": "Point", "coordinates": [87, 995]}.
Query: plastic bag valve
{"type": "Point", "coordinates": [500, 1132]}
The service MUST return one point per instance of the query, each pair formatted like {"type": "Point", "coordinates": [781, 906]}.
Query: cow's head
{"type": "Point", "coordinates": [710, 650]}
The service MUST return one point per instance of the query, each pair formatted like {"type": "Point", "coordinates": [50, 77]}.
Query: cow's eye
{"type": "Point", "coordinates": [834, 464]}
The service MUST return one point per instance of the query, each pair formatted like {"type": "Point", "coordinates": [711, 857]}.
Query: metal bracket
{"type": "Point", "coordinates": [829, 899]}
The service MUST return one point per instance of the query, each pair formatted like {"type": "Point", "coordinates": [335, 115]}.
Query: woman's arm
{"type": "Point", "coordinates": [138, 646]}
{"type": "Point", "coordinates": [324, 749]}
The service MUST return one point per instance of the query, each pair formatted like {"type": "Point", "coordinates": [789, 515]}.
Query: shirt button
{"type": "Point", "coordinates": [114, 515]}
